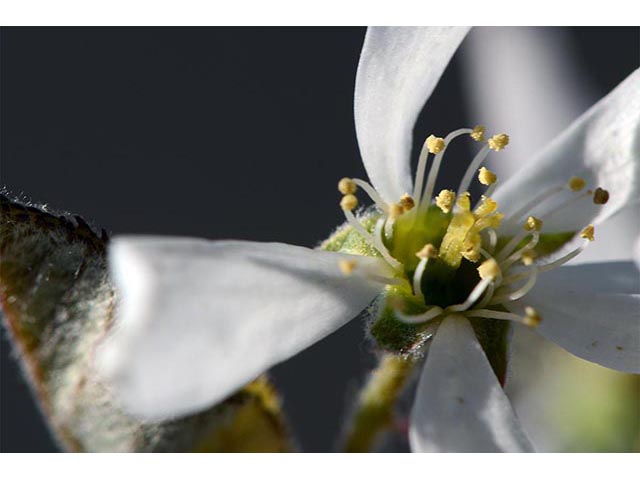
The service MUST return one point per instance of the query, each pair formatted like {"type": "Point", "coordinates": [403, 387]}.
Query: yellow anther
{"type": "Point", "coordinates": [486, 176]}
{"type": "Point", "coordinates": [531, 317]}
{"type": "Point", "coordinates": [528, 257]}
{"type": "Point", "coordinates": [478, 133]}
{"type": "Point", "coordinates": [407, 202]}
{"type": "Point", "coordinates": [428, 251]}
{"type": "Point", "coordinates": [471, 248]}
{"type": "Point", "coordinates": [486, 207]}
{"type": "Point", "coordinates": [435, 144]}
{"type": "Point", "coordinates": [588, 233]}
{"type": "Point", "coordinates": [576, 183]}
{"type": "Point", "coordinates": [464, 202]}
{"type": "Point", "coordinates": [600, 196]}
{"type": "Point", "coordinates": [489, 269]}
{"type": "Point", "coordinates": [346, 186]}
{"type": "Point", "coordinates": [490, 221]}
{"type": "Point", "coordinates": [445, 200]}
{"type": "Point", "coordinates": [533, 223]}
{"type": "Point", "coordinates": [498, 142]}
{"type": "Point", "coordinates": [347, 266]}
{"type": "Point", "coordinates": [395, 210]}
{"type": "Point", "coordinates": [349, 202]}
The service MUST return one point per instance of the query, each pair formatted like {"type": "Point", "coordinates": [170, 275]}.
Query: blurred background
{"type": "Point", "coordinates": [209, 132]}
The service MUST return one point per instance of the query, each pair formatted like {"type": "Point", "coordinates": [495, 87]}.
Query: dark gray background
{"type": "Point", "coordinates": [211, 132]}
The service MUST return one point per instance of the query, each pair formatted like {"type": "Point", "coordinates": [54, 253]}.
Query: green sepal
{"type": "Point", "coordinates": [57, 304]}
{"type": "Point", "coordinates": [494, 337]}
{"type": "Point", "coordinates": [392, 334]}
{"type": "Point", "coordinates": [346, 240]}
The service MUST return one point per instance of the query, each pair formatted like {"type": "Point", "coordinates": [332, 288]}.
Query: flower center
{"type": "Point", "coordinates": [449, 255]}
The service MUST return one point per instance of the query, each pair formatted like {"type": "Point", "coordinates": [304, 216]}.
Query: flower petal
{"type": "Point", "coordinates": [198, 319]}
{"type": "Point", "coordinates": [399, 68]}
{"type": "Point", "coordinates": [459, 404]}
{"type": "Point", "coordinates": [591, 310]}
{"type": "Point", "coordinates": [543, 92]}
{"type": "Point", "coordinates": [600, 146]}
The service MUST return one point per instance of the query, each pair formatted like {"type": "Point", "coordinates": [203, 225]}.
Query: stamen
{"type": "Point", "coordinates": [350, 266]}
{"type": "Point", "coordinates": [371, 240]}
{"type": "Point", "coordinates": [498, 142]}
{"type": "Point", "coordinates": [430, 314]}
{"type": "Point", "coordinates": [395, 210]}
{"type": "Point", "coordinates": [526, 254]}
{"type": "Point", "coordinates": [433, 173]}
{"type": "Point", "coordinates": [552, 213]}
{"type": "Point", "coordinates": [528, 257]}
{"type": "Point", "coordinates": [532, 224]}
{"type": "Point", "coordinates": [347, 186]}
{"type": "Point", "coordinates": [600, 196]}
{"type": "Point", "coordinates": [488, 295]}
{"type": "Point", "coordinates": [520, 292]}
{"type": "Point", "coordinates": [489, 191]}
{"type": "Point", "coordinates": [435, 144]}
{"type": "Point", "coordinates": [347, 266]}
{"type": "Point", "coordinates": [373, 194]}
{"type": "Point", "coordinates": [349, 202]}
{"type": "Point", "coordinates": [493, 239]}
{"type": "Point", "coordinates": [472, 298]}
{"type": "Point", "coordinates": [497, 315]}
{"type": "Point", "coordinates": [576, 184]}
{"type": "Point", "coordinates": [486, 176]}
{"type": "Point", "coordinates": [489, 269]}
{"type": "Point", "coordinates": [407, 202]}
{"type": "Point", "coordinates": [445, 200]}
{"type": "Point", "coordinates": [545, 195]}
{"type": "Point", "coordinates": [464, 202]}
{"type": "Point", "coordinates": [587, 234]}
{"type": "Point", "coordinates": [514, 242]}
{"type": "Point", "coordinates": [532, 318]}
{"type": "Point", "coordinates": [471, 247]}
{"type": "Point", "coordinates": [471, 169]}
{"type": "Point", "coordinates": [478, 133]}
{"type": "Point", "coordinates": [427, 252]}
{"type": "Point", "coordinates": [486, 207]}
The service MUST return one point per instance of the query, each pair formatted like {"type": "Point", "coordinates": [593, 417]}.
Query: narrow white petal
{"type": "Point", "coordinates": [591, 310]}
{"type": "Point", "coordinates": [399, 68]}
{"type": "Point", "coordinates": [459, 404]}
{"type": "Point", "coordinates": [601, 146]}
{"type": "Point", "coordinates": [526, 82]}
{"type": "Point", "coordinates": [199, 319]}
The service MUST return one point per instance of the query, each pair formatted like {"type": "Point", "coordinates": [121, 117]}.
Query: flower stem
{"type": "Point", "coordinates": [373, 413]}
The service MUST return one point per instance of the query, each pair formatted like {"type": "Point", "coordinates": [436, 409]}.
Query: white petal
{"type": "Point", "coordinates": [526, 82]}
{"type": "Point", "coordinates": [459, 404]}
{"type": "Point", "coordinates": [399, 68]}
{"type": "Point", "coordinates": [199, 319]}
{"type": "Point", "coordinates": [591, 310]}
{"type": "Point", "coordinates": [602, 146]}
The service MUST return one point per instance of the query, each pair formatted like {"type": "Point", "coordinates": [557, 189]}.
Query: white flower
{"type": "Point", "coordinates": [198, 319]}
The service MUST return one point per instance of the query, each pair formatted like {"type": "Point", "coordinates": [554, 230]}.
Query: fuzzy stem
{"type": "Point", "coordinates": [373, 413]}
